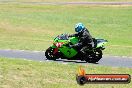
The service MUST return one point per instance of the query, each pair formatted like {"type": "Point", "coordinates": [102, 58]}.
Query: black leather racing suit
{"type": "Point", "coordinates": [85, 40]}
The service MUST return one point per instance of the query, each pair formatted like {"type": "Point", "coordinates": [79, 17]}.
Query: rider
{"type": "Point", "coordinates": [85, 39]}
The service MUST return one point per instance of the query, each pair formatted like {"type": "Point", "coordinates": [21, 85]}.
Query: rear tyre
{"type": "Point", "coordinates": [49, 54]}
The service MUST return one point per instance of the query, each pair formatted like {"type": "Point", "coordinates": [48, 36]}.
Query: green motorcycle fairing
{"type": "Point", "coordinates": [67, 52]}
{"type": "Point", "coordinates": [71, 52]}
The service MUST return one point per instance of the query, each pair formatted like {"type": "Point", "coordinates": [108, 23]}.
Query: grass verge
{"type": "Point", "coordinates": [33, 27]}
{"type": "Point", "coordinates": [76, 0]}
{"type": "Point", "coordinates": [31, 74]}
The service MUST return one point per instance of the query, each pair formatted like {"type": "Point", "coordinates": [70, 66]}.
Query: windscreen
{"type": "Point", "coordinates": [62, 37]}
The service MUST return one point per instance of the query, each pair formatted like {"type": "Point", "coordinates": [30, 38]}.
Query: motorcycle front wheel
{"type": "Point", "coordinates": [49, 54]}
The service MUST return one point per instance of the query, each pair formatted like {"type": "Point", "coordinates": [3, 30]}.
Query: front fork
{"type": "Point", "coordinates": [55, 51]}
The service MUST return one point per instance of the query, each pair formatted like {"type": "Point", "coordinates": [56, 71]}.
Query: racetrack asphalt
{"type": "Point", "coordinates": [114, 61]}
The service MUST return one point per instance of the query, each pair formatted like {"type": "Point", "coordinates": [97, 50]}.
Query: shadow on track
{"type": "Point", "coordinates": [72, 61]}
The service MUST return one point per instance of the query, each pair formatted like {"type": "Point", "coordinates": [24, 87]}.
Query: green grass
{"type": "Point", "coordinates": [74, 0]}
{"type": "Point", "coordinates": [33, 27]}
{"type": "Point", "coordinates": [30, 74]}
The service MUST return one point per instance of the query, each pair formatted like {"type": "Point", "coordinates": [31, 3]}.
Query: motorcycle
{"type": "Point", "coordinates": [60, 49]}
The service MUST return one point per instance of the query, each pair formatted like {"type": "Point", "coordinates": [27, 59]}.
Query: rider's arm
{"type": "Point", "coordinates": [76, 45]}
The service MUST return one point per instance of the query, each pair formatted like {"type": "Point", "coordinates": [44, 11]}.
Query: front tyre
{"type": "Point", "coordinates": [49, 54]}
